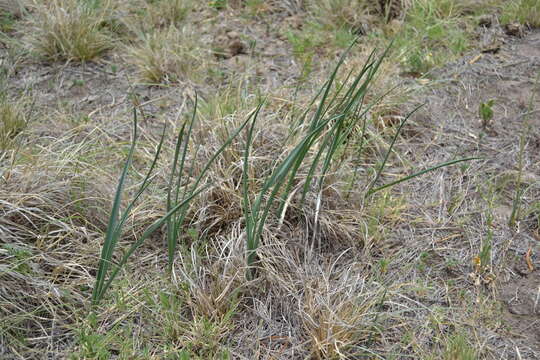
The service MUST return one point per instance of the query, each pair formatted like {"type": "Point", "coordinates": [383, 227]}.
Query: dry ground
{"type": "Point", "coordinates": [444, 266]}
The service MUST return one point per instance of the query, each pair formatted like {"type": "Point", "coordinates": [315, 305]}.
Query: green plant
{"type": "Point", "coordinates": [314, 36]}
{"type": "Point", "coordinates": [218, 4]}
{"type": "Point", "coordinates": [522, 11]}
{"type": "Point", "coordinates": [167, 12]}
{"type": "Point", "coordinates": [485, 110]}
{"type": "Point", "coordinates": [179, 189]}
{"type": "Point", "coordinates": [327, 133]}
{"type": "Point", "coordinates": [483, 260]}
{"type": "Point", "coordinates": [336, 14]}
{"type": "Point", "coordinates": [458, 348]}
{"type": "Point", "coordinates": [337, 115]}
{"type": "Point", "coordinates": [371, 190]}
{"type": "Point", "coordinates": [255, 7]}
{"type": "Point", "coordinates": [19, 259]}
{"type": "Point", "coordinates": [7, 21]}
{"type": "Point", "coordinates": [93, 345]}
{"type": "Point", "coordinates": [432, 34]}
{"type": "Point", "coordinates": [304, 50]}
{"type": "Point", "coordinates": [176, 208]}
{"type": "Point", "coordinates": [303, 43]}
{"type": "Point", "coordinates": [78, 83]}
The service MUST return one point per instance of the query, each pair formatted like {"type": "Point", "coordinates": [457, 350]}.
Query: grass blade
{"type": "Point", "coordinates": [111, 236]}
{"type": "Point", "coordinates": [372, 191]}
{"type": "Point", "coordinates": [387, 155]}
{"type": "Point", "coordinates": [175, 222]}
{"type": "Point", "coordinates": [176, 210]}
{"type": "Point", "coordinates": [147, 233]}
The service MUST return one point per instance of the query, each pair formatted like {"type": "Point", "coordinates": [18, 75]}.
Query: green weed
{"type": "Point", "coordinates": [485, 110]}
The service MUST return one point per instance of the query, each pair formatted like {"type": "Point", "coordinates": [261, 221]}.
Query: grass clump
{"type": "Point", "coordinates": [164, 13]}
{"type": "Point", "coordinates": [330, 25]}
{"type": "Point", "coordinates": [523, 11]}
{"type": "Point", "coordinates": [179, 197]}
{"type": "Point", "coordinates": [337, 14]}
{"type": "Point", "coordinates": [170, 55]}
{"type": "Point", "coordinates": [458, 348]}
{"type": "Point", "coordinates": [336, 321]}
{"type": "Point", "coordinates": [7, 21]}
{"type": "Point", "coordinates": [314, 37]}
{"type": "Point", "coordinates": [340, 112]}
{"type": "Point", "coordinates": [141, 17]}
{"type": "Point", "coordinates": [12, 122]}
{"type": "Point", "coordinates": [433, 32]}
{"type": "Point", "coordinates": [69, 30]}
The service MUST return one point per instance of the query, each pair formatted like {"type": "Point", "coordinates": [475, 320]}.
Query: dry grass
{"type": "Point", "coordinates": [13, 7]}
{"type": "Point", "coordinates": [336, 312]}
{"type": "Point", "coordinates": [163, 13]}
{"type": "Point", "coordinates": [338, 13]}
{"type": "Point", "coordinates": [43, 247]}
{"type": "Point", "coordinates": [170, 55]}
{"type": "Point", "coordinates": [68, 30]}
{"type": "Point", "coordinates": [13, 120]}
{"type": "Point", "coordinates": [414, 271]}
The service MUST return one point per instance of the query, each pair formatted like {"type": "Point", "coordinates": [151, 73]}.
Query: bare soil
{"type": "Point", "coordinates": [452, 127]}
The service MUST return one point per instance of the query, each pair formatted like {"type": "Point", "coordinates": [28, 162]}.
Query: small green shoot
{"type": "Point", "coordinates": [218, 4]}
{"type": "Point", "coordinates": [485, 110]}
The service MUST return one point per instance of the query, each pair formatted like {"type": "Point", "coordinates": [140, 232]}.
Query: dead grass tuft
{"type": "Point", "coordinates": [336, 312]}
{"type": "Point", "coordinates": [43, 274]}
{"type": "Point", "coordinates": [338, 13]}
{"type": "Point", "coordinates": [164, 13]}
{"type": "Point", "coordinates": [214, 275]}
{"type": "Point", "coordinates": [68, 30]}
{"type": "Point", "coordinates": [171, 55]}
{"type": "Point", "coordinates": [13, 120]}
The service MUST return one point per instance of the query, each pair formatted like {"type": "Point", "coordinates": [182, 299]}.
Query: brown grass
{"type": "Point", "coordinates": [67, 30]}
{"type": "Point", "coordinates": [340, 277]}
{"type": "Point", "coordinates": [14, 7]}
{"type": "Point", "coordinates": [168, 56]}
